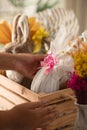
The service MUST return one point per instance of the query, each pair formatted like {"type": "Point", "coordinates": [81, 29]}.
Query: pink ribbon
{"type": "Point", "coordinates": [50, 61]}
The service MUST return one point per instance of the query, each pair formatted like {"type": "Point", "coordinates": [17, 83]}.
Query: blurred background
{"type": "Point", "coordinates": [9, 8]}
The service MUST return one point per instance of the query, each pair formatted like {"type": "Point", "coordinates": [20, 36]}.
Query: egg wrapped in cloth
{"type": "Point", "coordinates": [56, 66]}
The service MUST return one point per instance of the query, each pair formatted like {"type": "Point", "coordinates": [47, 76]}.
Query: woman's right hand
{"type": "Point", "coordinates": [32, 115]}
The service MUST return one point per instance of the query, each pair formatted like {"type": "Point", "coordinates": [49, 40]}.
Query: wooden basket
{"type": "Point", "coordinates": [12, 93]}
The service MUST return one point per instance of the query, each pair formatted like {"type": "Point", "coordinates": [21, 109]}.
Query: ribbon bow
{"type": "Point", "coordinates": [50, 61]}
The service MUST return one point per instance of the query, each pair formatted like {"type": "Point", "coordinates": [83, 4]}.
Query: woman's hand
{"type": "Point", "coordinates": [27, 64]}
{"type": "Point", "coordinates": [31, 116]}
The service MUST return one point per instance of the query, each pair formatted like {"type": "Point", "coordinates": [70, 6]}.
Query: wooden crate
{"type": "Point", "coordinates": [12, 93]}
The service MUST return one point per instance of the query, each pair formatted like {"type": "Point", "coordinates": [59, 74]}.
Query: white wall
{"type": "Point", "coordinates": [7, 10]}
{"type": "Point", "coordinates": [80, 8]}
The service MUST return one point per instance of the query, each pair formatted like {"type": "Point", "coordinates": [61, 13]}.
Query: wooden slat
{"type": "Point", "coordinates": [58, 96]}
{"type": "Point", "coordinates": [11, 96]}
{"type": "Point", "coordinates": [66, 107]}
{"type": "Point", "coordinates": [19, 89]}
{"type": "Point", "coordinates": [63, 121]}
{"type": "Point", "coordinates": [5, 104]}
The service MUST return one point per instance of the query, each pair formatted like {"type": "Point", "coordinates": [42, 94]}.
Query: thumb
{"type": "Point", "coordinates": [36, 104]}
{"type": "Point", "coordinates": [39, 57]}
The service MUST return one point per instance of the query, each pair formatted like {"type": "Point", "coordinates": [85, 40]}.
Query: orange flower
{"type": "Point", "coordinates": [34, 26]}
{"type": "Point", "coordinates": [5, 32]}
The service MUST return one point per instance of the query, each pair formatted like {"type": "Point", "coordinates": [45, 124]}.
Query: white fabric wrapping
{"type": "Point", "coordinates": [59, 74]}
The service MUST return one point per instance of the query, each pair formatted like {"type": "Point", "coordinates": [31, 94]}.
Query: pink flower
{"type": "Point", "coordinates": [77, 83]}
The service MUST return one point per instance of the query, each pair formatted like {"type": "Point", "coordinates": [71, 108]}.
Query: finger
{"type": "Point", "coordinates": [37, 64]}
{"type": "Point", "coordinates": [49, 119]}
{"type": "Point", "coordinates": [48, 109]}
{"type": "Point", "coordinates": [33, 73]}
{"type": "Point", "coordinates": [39, 57]}
{"type": "Point", "coordinates": [36, 104]}
{"type": "Point", "coordinates": [30, 75]}
{"type": "Point", "coordinates": [41, 128]}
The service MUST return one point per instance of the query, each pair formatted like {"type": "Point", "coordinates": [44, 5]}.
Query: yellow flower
{"type": "Point", "coordinates": [38, 37]}
{"type": "Point", "coordinates": [80, 61]}
{"type": "Point", "coordinates": [37, 33]}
